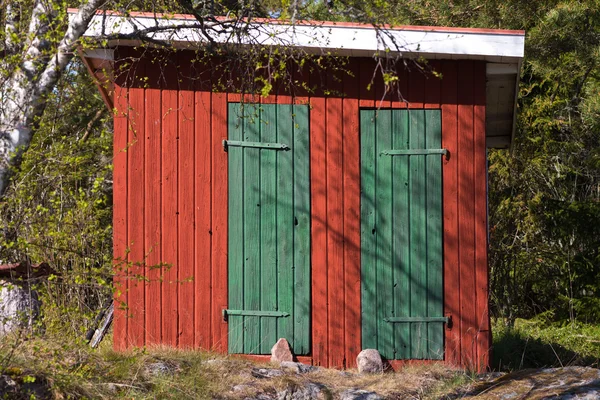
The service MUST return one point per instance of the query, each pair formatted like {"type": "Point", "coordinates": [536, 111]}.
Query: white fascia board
{"type": "Point", "coordinates": [348, 40]}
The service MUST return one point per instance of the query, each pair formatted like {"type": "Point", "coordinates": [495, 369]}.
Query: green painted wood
{"type": "Point", "coordinates": [252, 226]}
{"type": "Point", "coordinates": [367, 230]}
{"type": "Point", "coordinates": [413, 152]}
{"type": "Point", "coordinates": [302, 303]}
{"type": "Point", "coordinates": [384, 232]}
{"type": "Point", "coordinates": [416, 319]}
{"type": "Point", "coordinates": [269, 220]}
{"type": "Point", "coordinates": [285, 222]}
{"type": "Point", "coordinates": [236, 230]}
{"type": "Point", "coordinates": [270, 314]}
{"type": "Point", "coordinates": [418, 238]}
{"type": "Point", "coordinates": [401, 268]}
{"type": "Point", "coordinates": [268, 237]}
{"type": "Point", "coordinates": [240, 143]}
{"type": "Point", "coordinates": [435, 302]}
{"type": "Point", "coordinates": [401, 234]}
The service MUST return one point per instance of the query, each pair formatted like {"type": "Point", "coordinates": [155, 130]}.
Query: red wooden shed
{"type": "Point", "coordinates": [341, 219]}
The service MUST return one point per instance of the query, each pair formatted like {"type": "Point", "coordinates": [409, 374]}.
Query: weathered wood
{"type": "Point", "coordinates": [269, 242]}
{"type": "Point", "coordinates": [236, 229]}
{"type": "Point", "coordinates": [219, 221]}
{"type": "Point", "coordinates": [318, 190]}
{"type": "Point", "coordinates": [351, 190]}
{"type": "Point", "coordinates": [152, 206]}
{"type": "Point", "coordinates": [135, 217]}
{"type": "Point", "coordinates": [268, 237]}
{"type": "Point", "coordinates": [336, 219]}
{"type": "Point", "coordinates": [335, 228]}
{"type": "Point", "coordinates": [434, 234]}
{"type": "Point", "coordinates": [466, 217]}
{"type": "Point", "coordinates": [120, 218]}
{"type": "Point", "coordinates": [203, 223]}
{"type": "Point", "coordinates": [185, 216]}
{"type": "Point", "coordinates": [450, 209]}
{"type": "Point", "coordinates": [170, 309]}
{"type": "Point", "coordinates": [482, 316]}
{"type": "Point", "coordinates": [402, 276]}
{"type": "Point", "coordinates": [301, 228]}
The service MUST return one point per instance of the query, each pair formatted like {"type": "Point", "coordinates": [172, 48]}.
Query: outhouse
{"type": "Point", "coordinates": [340, 216]}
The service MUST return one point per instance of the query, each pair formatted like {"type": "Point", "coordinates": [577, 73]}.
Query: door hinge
{"type": "Point", "coordinates": [414, 152]}
{"type": "Point", "coordinates": [254, 313]}
{"type": "Point", "coordinates": [259, 145]}
{"type": "Point", "coordinates": [395, 320]}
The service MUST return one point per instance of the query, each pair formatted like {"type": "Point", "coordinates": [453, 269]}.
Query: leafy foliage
{"type": "Point", "coordinates": [544, 209]}
{"type": "Point", "coordinates": [58, 209]}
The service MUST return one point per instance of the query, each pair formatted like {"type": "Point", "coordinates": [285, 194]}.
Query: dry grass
{"type": "Point", "coordinates": [75, 371]}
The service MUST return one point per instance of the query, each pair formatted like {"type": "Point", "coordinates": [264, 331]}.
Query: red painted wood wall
{"type": "Point", "coordinates": [170, 205]}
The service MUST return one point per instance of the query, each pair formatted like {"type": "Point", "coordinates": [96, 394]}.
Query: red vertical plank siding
{"type": "Point", "coordinates": [351, 190]}
{"type": "Point", "coordinates": [335, 228]}
{"type": "Point", "coordinates": [219, 220]}
{"type": "Point", "coordinates": [432, 91]}
{"type": "Point", "coordinates": [466, 214]}
{"type": "Point", "coordinates": [135, 217]}
{"type": "Point", "coordinates": [481, 265]}
{"type": "Point", "coordinates": [171, 189]}
{"type": "Point", "coordinates": [203, 218]}
{"type": "Point", "coordinates": [169, 217]}
{"type": "Point", "coordinates": [366, 92]}
{"type": "Point", "coordinates": [416, 88]}
{"type": "Point", "coordinates": [185, 217]}
{"type": "Point", "coordinates": [152, 227]}
{"type": "Point", "coordinates": [449, 107]}
{"type": "Point", "coordinates": [120, 218]}
{"type": "Point", "coordinates": [318, 208]}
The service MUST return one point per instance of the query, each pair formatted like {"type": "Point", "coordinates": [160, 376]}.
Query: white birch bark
{"type": "Point", "coordinates": [25, 86]}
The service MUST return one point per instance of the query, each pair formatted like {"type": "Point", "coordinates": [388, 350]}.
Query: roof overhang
{"type": "Point", "coordinates": [503, 50]}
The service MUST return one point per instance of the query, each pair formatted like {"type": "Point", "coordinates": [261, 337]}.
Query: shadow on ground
{"type": "Point", "coordinates": [515, 351]}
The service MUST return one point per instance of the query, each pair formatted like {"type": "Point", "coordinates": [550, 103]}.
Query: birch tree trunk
{"type": "Point", "coordinates": [30, 69]}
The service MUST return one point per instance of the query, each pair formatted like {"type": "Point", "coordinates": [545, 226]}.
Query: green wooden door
{"type": "Point", "coordinates": [401, 233]}
{"type": "Point", "coordinates": [269, 227]}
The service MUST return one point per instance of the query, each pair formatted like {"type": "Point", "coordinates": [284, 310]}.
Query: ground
{"type": "Point", "coordinates": [47, 371]}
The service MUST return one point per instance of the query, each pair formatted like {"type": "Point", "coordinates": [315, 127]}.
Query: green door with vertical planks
{"type": "Point", "coordinates": [269, 227]}
{"type": "Point", "coordinates": [401, 233]}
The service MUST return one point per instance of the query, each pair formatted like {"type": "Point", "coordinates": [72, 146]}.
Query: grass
{"type": "Point", "coordinates": [539, 343]}
{"type": "Point", "coordinates": [68, 369]}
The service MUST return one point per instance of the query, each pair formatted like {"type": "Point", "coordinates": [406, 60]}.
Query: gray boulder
{"type": "Point", "coordinates": [19, 306]}
{"type": "Point", "coordinates": [369, 361]}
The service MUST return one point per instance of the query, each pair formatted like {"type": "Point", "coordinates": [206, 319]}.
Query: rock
{"type": "Point", "coordinates": [266, 372]}
{"type": "Point", "coordinates": [281, 351]}
{"type": "Point", "coordinates": [161, 368]}
{"type": "Point", "coordinates": [568, 383]}
{"type": "Point", "coordinates": [241, 388]}
{"type": "Point", "coordinates": [355, 394]}
{"type": "Point", "coordinates": [19, 306]}
{"type": "Point", "coordinates": [297, 367]}
{"type": "Point", "coordinates": [309, 391]}
{"type": "Point", "coordinates": [369, 361]}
